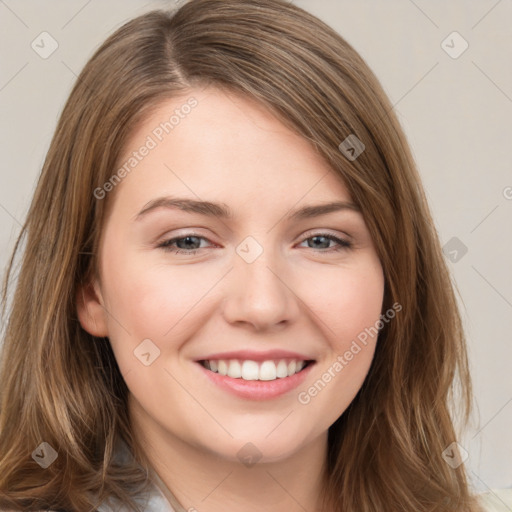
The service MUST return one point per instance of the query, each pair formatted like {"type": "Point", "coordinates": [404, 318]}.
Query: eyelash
{"type": "Point", "coordinates": [342, 244]}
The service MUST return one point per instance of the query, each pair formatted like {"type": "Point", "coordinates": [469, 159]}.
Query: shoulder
{"type": "Point", "coordinates": [496, 500]}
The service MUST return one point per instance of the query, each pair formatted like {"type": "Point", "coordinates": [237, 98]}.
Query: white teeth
{"type": "Point", "coordinates": [251, 370]}
{"type": "Point", "coordinates": [234, 370]}
{"type": "Point", "coordinates": [282, 369]}
{"type": "Point", "coordinates": [223, 367]}
{"type": "Point", "coordinates": [268, 371]}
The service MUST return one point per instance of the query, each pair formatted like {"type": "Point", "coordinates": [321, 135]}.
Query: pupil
{"type": "Point", "coordinates": [187, 240]}
{"type": "Point", "coordinates": [316, 238]}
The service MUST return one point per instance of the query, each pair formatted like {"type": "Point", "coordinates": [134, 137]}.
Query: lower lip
{"type": "Point", "coordinates": [258, 389]}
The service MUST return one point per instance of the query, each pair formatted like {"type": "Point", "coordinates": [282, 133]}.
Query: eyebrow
{"type": "Point", "coordinates": [223, 211]}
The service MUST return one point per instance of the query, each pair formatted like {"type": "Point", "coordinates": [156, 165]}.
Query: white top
{"type": "Point", "coordinates": [156, 502]}
{"type": "Point", "coordinates": [159, 498]}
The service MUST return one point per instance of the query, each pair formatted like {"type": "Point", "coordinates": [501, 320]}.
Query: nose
{"type": "Point", "coordinates": [260, 295]}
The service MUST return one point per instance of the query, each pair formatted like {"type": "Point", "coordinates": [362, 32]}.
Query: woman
{"type": "Point", "coordinates": [302, 355]}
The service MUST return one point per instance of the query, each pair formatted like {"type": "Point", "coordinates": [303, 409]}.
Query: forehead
{"type": "Point", "coordinates": [207, 142]}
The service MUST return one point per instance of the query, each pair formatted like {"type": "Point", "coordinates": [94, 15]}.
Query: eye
{"type": "Point", "coordinates": [189, 243]}
{"type": "Point", "coordinates": [322, 240]}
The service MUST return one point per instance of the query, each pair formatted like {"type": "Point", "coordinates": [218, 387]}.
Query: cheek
{"type": "Point", "coordinates": [349, 310]}
{"type": "Point", "coordinates": [348, 301]}
{"type": "Point", "coordinates": [153, 300]}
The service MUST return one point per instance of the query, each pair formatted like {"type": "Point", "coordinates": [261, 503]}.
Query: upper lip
{"type": "Point", "coordinates": [251, 355]}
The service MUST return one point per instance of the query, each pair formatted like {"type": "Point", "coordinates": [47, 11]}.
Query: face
{"type": "Point", "coordinates": [273, 287]}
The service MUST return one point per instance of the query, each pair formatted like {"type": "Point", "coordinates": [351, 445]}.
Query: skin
{"type": "Point", "coordinates": [300, 294]}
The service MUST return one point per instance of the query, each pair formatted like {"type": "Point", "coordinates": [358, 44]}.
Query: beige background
{"type": "Point", "coordinates": [456, 113]}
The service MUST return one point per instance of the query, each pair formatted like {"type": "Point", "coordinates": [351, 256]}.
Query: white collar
{"type": "Point", "coordinates": [157, 499]}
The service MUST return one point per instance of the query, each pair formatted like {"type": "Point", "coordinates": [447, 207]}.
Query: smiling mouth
{"type": "Point", "coordinates": [253, 370]}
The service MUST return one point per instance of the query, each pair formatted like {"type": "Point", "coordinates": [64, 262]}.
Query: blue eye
{"type": "Point", "coordinates": [185, 243]}
{"type": "Point", "coordinates": [191, 243]}
{"type": "Point", "coordinates": [342, 244]}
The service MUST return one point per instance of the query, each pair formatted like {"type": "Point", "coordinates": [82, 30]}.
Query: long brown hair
{"type": "Point", "coordinates": [60, 385]}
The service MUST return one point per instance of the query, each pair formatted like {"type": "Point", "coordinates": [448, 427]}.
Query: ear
{"type": "Point", "coordinates": [90, 310]}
